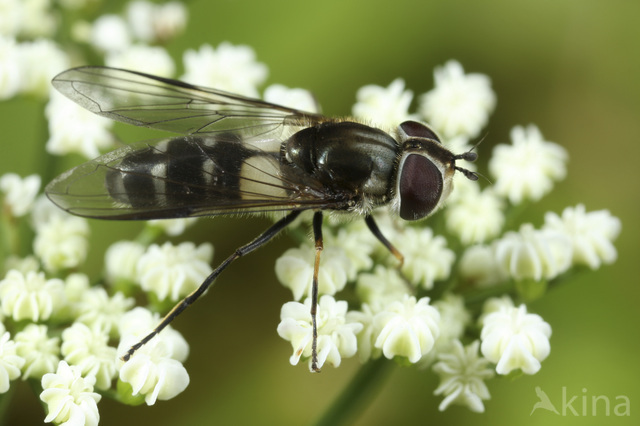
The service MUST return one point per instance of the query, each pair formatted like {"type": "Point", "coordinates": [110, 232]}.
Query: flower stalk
{"type": "Point", "coordinates": [356, 396]}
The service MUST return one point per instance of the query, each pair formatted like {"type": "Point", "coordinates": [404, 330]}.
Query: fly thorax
{"type": "Point", "coordinates": [345, 157]}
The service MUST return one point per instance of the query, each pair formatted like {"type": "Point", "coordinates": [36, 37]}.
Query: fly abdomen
{"type": "Point", "coordinates": [186, 171]}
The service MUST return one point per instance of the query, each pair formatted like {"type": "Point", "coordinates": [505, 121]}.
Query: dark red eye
{"type": "Point", "coordinates": [413, 129]}
{"type": "Point", "coordinates": [420, 187]}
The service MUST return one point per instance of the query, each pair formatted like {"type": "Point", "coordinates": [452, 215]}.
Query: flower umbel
{"type": "Point", "coordinates": [70, 397]}
{"type": "Point", "coordinates": [61, 242]}
{"type": "Point", "coordinates": [418, 307]}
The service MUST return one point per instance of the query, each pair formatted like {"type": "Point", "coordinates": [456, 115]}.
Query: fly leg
{"type": "Point", "coordinates": [373, 227]}
{"type": "Point", "coordinates": [317, 234]}
{"type": "Point", "coordinates": [258, 242]}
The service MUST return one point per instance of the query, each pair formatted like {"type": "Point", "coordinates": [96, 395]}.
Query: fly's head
{"type": "Point", "coordinates": [425, 171]}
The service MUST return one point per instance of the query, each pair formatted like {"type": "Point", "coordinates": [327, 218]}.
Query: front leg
{"type": "Point", "coordinates": [373, 227]}
{"type": "Point", "coordinates": [317, 234]}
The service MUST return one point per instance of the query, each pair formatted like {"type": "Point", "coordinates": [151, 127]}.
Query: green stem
{"type": "Point", "coordinates": [362, 389]}
{"type": "Point", "coordinates": [513, 214]}
{"type": "Point", "coordinates": [475, 299]}
{"type": "Point", "coordinates": [5, 402]}
{"type": "Point", "coordinates": [149, 234]}
{"type": "Point", "coordinates": [9, 232]}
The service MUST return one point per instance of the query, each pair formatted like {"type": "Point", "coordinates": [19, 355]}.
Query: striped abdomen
{"type": "Point", "coordinates": [193, 173]}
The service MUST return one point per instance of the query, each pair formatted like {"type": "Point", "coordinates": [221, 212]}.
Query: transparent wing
{"type": "Point", "coordinates": [161, 103]}
{"type": "Point", "coordinates": [186, 177]}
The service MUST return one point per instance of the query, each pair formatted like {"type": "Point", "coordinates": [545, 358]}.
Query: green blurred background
{"type": "Point", "coordinates": [570, 67]}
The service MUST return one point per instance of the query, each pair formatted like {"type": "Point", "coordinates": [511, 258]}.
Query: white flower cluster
{"type": "Point", "coordinates": [27, 67]}
{"type": "Point", "coordinates": [19, 194]}
{"type": "Point", "coordinates": [576, 238]}
{"type": "Point", "coordinates": [82, 360]}
{"type": "Point", "coordinates": [231, 68]}
{"type": "Point", "coordinates": [391, 322]}
{"type": "Point", "coordinates": [143, 22]}
{"type": "Point", "coordinates": [293, 98]}
{"type": "Point", "coordinates": [72, 129]}
{"type": "Point", "coordinates": [512, 338]}
{"type": "Point", "coordinates": [526, 169]}
{"type": "Point", "coordinates": [388, 314]}
{"type": "Point", "coordinates": [169, 271]}
{"type": "Point", "coordinates": [88, 319]}
{"type": "Point", "coordinates": [69, 396]}
{"type": "Point", "coordinates": [30, 296]}
{"type": "Point", "coordinates": [59, 329]}
{"type": "Point", "coordinates": [155, 372]}
{"type": "Point", "coordinates": [460, 103]}
{"type": "Point", "coordinates": [462, 376]}
{"type": "Point", "coordinates": [383, 106]}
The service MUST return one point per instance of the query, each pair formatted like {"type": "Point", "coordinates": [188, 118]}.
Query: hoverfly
{"type": "Point", "coordinates": [241, 155]}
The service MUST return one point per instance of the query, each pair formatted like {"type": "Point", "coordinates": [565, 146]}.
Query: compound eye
{"type": "Point", "coordinates": [420, 187]}
{"type": "Point", "coordinates": [413, 129]}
